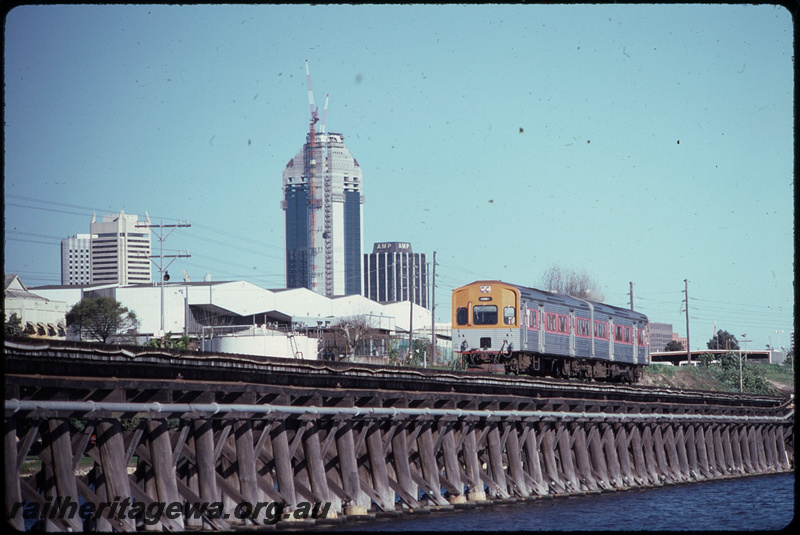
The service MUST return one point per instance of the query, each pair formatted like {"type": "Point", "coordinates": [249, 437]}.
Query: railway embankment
{"type": "Point", "coordinates": [778, 379]}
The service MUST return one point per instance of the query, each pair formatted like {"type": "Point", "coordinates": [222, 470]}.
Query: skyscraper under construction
{"type": "Point", "coordinates": [322, 202]}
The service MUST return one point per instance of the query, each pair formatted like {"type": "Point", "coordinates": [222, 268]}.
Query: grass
{"type": "Point", "coordinates": [772, 379]}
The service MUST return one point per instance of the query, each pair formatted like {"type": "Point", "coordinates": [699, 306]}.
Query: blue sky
{"type": "Point", "coordinates": [649, 144]}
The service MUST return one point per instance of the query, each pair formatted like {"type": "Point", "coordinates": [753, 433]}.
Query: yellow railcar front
{"type": "Point", "coordinates": [486, 318]}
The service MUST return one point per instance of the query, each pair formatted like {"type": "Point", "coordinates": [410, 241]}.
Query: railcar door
{"type": "Point", "coordinates": [611, 338]}
{"type": "Point", "coordinates": [524, 323]}
{"type": "Point", "coordinates": [541, 328]}
{"type": "Point", "coordinates": [571, 333]}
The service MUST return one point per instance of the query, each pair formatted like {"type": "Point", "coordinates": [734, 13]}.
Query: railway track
{"type": "Point", "coordinates": [78, 360]}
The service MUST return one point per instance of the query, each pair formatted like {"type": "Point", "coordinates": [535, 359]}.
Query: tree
{"type": "Point", "coordinates": [354, 330]}
{"type": "Point", "coordinates": [103, 319]}
{"type": "Point", "coordinates": [14, 326]}
{"type": "Point", "coordinates": [723, 340]}
{"type": "Point", "coordinates": [568, 281]}
{"type": "Point", "coordinates": [169, 342]}
{"type": "Point", "coordinates": [674, 345]}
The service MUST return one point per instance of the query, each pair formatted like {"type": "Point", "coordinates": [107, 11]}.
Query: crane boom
{"type": "Point", "coordinates": [324, 115]}
{"type": "Point", "coordinates": [311, 163]}
{"type": "Point", "coordinates": [314, 109]}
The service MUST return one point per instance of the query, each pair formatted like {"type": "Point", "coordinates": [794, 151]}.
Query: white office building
{"type": "Point", "coordinates": [120, 250]}
{"type": "Point", "coordinates": [76, 267]}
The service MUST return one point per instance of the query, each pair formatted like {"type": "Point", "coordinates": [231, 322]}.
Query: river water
{"type": "Point", "coordinates": [759, 503]}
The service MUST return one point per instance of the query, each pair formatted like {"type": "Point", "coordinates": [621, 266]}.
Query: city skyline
{"type": "Point", "coordinates": [644, 144]}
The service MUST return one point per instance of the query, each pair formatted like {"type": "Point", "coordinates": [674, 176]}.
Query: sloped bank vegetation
{"type": "Point", "coordinates": [723, 376]}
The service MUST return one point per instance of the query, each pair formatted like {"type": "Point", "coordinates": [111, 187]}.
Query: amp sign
{"type": "Point", "coordinates": [392, 247]}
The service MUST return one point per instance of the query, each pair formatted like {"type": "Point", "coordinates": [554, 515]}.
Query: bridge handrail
{"type": "Point", "coordinates": [16, 405]}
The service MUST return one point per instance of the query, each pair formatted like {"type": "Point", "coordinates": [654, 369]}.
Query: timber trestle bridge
{"type": "Point", "coordinates": [106, 425]}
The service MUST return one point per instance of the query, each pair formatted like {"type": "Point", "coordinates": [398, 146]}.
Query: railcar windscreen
{"type": "Point", "coordinates": [484, 315]}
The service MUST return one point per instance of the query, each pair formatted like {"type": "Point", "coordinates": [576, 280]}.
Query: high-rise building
{"type": "Point", "coordinates": [660, 335]}
{"type": "Point", "coordinates": [76, 268]}
{"type": "Point", "coordinates": [322, 201]}
{"type": "Point", "coordinates": [120, 250]}
{"type": "Point", "coordinates": [392, 273]}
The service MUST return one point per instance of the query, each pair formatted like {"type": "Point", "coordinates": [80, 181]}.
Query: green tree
{"type": "Point", "coordinates": [103, 319]}
{"type": "Point", "coordinates": [13, 326]}
{"type": "Point", "coordinates": [673, 345]}
{"type": "Point", "coordinates": [753, 380]}
{"type": "Point", "coordinates": [723, 340]}
{"type": "Point", "coordinates": [169, 342]}
{"type": "Point", "coordinates": [705, 359]}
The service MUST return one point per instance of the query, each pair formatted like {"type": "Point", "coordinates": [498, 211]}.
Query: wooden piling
{"type": "Point", "coordinates": [582, 459]}
{"type": "Point", "coordinates": [672, 453]}
{"type": "Point", "coordinates": [598, 458]}
{"type": "Point", "coordinates": [637, 450]}
{"type": "Point", "coordinates": [702, 454]}
{"type": "Point", "coordinates": [472, 467]}
{"type": "Point", "coordinates": [711, 451]}
{"type": "Point", "coordinates": [650, 456]}
{"type": "Point", "coordinates": [553, 478]}
{"type": "Point", "coordinates": [612, 461]}
{"type": "Point", "coordinates": [565, 455]}
{"type": "Point", "coordinates": [12, 490]}
{"type": "Point", "coordinates": [533, 460]}
{"type": "Point", "coordinates": [514, 454]}
{"type": "Point", "coordinates": [378, 466]}
{"type": "Point", "coordinates": [624, 455]}
{"type": "Point", "coordinates": [111, 448]}
{"type": "Point", "coordinates": [452, 467]}
{"type": "Point", "coordinates": [496, 461]}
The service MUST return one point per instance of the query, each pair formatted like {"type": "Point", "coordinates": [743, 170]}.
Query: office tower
{"type": "Point", "coordinates": [120, 251]}
{"type": "Point", "coordinates": [660, 335]}
{"type": "Point", "coordinates": [75, 260]}
{"type": "Point", "coordinates": [392, 272]}
{"type": "Point", "coordinates": [322, 201]}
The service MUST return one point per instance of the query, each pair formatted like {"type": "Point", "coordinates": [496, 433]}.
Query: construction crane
{"type": "Point", "coordinates": [324, 115]}
{"type": "Point", "coordinates": [311, 172]}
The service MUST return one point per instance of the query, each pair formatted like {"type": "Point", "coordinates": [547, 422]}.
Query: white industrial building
{"type": "Point", "coordinates": [40, 316]}
{"type": "Point", "coordinates": [240, 317]}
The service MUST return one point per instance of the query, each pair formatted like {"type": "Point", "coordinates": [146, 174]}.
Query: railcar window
{"type": "Point", "coordinates": [532, 319]}
{"type": "Point", "coordinates": [462, 316]}
{"type": "Point", "coordinates": [510, 315]}
{"type": "Point", "coordinates": [562, 324]}
{"type": "Point", "coordinates": [601, 330]}
{"type": "Point", "coordinates": [484, 315]}
{"type": "Point", "coordinates": [618, 333]}
{"type": "Point", "coordinates": [582, 326]}
{"type": "Point", "coordinates": [551, 322]}
{"type": "Point", "coordinates": [628, 335]}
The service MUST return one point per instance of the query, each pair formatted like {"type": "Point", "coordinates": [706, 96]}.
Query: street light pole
{"type": "Point", "coordinates": [744, 340]}
{"type": "Point", "coordinates": [688, 347]}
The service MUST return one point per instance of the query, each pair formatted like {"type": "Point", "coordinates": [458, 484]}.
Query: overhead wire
{"type": "Point", "coordinates": [88, 211]}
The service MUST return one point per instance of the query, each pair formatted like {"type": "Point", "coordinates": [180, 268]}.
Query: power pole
{"type": "Point", "coordinates": [631, 283]}
{"type": "Point", "coordinates": [411, 306]}
{"type": "Point", "coordinates": [743, 340]}
{"type": "Point", "coordinates": [161, 256]}
{"type": "Point", "coordinates": [433, 311]}
{"type": "Point", "coordinates": [688, 346]}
